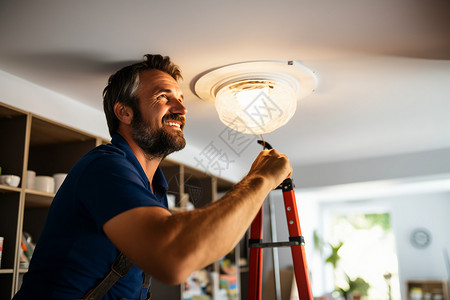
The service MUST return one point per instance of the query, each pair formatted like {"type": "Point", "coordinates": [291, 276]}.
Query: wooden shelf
{"type": "Point", "coordinates": [9, 112]}
{"type": "Point", "coordinates": [45, 132]}
{"type": "Point", "coordinates": [7, 188]}
{"type": "Point", "coordinates": [432, 288]}
{"type": "Point", "coordinates": [34, 198]}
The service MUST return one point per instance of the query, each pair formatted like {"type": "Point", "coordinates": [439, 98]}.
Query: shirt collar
{"type": "Point", "coordinates": [160, 185]}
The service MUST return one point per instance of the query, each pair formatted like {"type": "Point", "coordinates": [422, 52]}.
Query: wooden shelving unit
{"type": "Point", "coordinates": [31, 142]}
{"type": "Point", "coordinates": [430, 289]}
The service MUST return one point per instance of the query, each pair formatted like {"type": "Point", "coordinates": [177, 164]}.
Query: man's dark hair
{"type": "Point", "coordinates": [123, 85]}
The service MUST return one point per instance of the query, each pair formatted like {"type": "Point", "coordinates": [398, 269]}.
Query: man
{"type": "Point", "coordinates": [113, 200]}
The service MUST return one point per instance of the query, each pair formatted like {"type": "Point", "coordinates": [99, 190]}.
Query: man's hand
{"type": "Point", "coordinates": [271, 165]}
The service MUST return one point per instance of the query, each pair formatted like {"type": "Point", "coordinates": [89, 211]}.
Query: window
{"type": "Point", "coordinates": [367, 251]}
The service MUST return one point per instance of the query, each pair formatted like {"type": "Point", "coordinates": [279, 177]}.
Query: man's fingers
{"type": "Point", "coordinates": [273, 165]}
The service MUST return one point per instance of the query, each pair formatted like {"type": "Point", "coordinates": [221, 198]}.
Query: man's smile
{"type": "Point", "coordinates": [175, 124]}
{"type": "Point", "coordinates": [174, 121]}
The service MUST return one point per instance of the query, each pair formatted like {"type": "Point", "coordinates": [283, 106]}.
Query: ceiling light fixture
{"type": "Point", "coordinates": [256, 97]}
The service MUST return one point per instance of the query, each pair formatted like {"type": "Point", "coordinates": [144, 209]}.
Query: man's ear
{"type": "Point", "coordinates": [123, 112]}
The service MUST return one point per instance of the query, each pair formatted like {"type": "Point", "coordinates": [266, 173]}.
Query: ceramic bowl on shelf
{"type": "Point", "coordinates": [10, 180]}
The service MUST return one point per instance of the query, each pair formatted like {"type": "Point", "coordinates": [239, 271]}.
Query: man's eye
{"type": "Point", "coordinates": [160, 97]}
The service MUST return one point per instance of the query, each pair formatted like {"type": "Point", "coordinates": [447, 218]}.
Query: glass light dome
{"type": "Point", "coordinates": [255, 106]}
{"type": "Point", "coordinates": [256, 97]}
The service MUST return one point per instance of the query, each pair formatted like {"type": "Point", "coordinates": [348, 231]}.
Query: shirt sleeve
{"type": "Point", "coordinates": [111, 185]}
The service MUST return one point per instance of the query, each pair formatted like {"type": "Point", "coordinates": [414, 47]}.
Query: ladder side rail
{"type": "Point", "coordinates": [255, 258]}
{"type": "Point", "coordinates": [298, 252]}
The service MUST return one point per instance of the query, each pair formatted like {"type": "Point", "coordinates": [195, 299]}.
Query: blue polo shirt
{"type": "Point", "coordinates": [73, 253]}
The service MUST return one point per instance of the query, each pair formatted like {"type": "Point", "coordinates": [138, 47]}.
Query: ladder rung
{"type": "Point", "coordinates": [294, 241]}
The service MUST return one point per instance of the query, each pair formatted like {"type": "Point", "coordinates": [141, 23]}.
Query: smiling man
{"type": "Point", "coordinates": [113, 202]}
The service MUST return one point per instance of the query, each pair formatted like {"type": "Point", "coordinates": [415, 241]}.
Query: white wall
{"type": "Point", "coordinates": [46, 103]}
{"type": "Point", "coordinates": [430, 211]}
{"type": "Point", "coordinates": [406, 165]}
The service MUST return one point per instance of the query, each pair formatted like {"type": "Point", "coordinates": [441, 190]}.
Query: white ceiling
{"type": "Point", "coordinates": [383, 67]}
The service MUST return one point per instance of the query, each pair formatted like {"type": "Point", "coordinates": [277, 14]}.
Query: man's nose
{"type": "Point", "coordinates": [178, 108]}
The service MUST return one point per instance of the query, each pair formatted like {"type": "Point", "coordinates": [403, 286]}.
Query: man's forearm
{"type": "Point", "coordinates": [211, 232]}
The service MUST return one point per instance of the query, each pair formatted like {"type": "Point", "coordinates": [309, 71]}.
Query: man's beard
{"type": "Point", "coordinates": [156, 142]}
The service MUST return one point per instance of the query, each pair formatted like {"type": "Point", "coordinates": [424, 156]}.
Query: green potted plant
{"type": "Point", "coordinates": [334, 255]}
{"type": "Point", "coordinates": [356, 288]}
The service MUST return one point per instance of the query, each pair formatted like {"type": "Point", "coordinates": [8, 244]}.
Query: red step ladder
{"type": "Point", "coordinates": [296, 242]}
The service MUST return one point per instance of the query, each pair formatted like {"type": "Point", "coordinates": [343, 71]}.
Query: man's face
{"type": "Point", "coordinates": [157, 126]}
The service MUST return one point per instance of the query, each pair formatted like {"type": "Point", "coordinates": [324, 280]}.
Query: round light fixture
{"type": "Point", "coordinates": [256, 97]}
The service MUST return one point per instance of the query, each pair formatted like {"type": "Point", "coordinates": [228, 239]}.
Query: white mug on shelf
{"type": "Point", "coordinates": [31, 175]}
{"type": "Point", "coordinates": [44, 184]}
{"type": "Point", "coordinates": [59, 179]}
